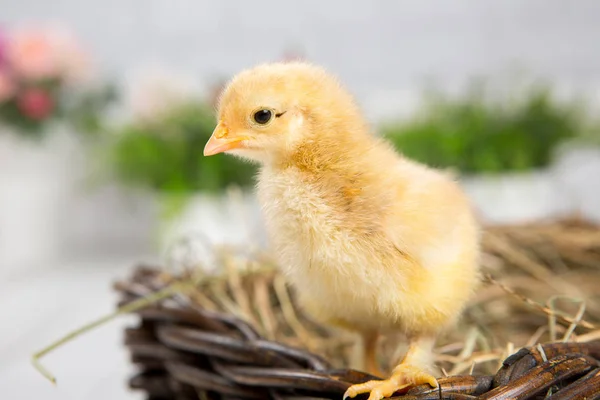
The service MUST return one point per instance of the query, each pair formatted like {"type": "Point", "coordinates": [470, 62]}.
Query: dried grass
{"type": "Point", "coordinates": [541, 285]}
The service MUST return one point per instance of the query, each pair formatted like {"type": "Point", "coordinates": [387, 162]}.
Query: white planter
{"type": "Point", "coordinates": [577, 168]}
{"type": "Point", "coordinates": [517, 198]}
{"type": "Point", "coordinates": [109, 220]}
{"type": "Point", "coordinates": [34, 183]}
{"type": "Point", "coordinates": [232, 220]}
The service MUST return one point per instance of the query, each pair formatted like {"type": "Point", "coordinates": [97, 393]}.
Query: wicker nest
{"type": "Point", "coordinates": [240, 334]}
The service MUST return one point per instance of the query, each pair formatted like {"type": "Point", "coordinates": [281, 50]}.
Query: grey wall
{"type": "Point", "coordinates": [384, 50]}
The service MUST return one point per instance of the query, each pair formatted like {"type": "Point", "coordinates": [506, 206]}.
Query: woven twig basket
{"type": "Point", "coordinates": [187, 352]}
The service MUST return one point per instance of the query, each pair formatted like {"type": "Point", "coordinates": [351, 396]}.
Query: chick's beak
{"type": "Point", "coordinates": [219, 142]}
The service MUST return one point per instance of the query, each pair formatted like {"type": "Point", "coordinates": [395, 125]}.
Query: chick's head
{"type": "Point", "coordinates": [267, 111]}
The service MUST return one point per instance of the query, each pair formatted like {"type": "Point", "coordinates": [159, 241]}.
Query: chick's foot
{"type": "Point", "coordinates": [403, 377]}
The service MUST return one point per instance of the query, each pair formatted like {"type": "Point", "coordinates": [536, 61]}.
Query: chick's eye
{"type": "Point", "coordinates": [263, 116]}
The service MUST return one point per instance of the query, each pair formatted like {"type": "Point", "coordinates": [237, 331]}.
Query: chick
{"type": "Point", "coordinates": [372, 241]}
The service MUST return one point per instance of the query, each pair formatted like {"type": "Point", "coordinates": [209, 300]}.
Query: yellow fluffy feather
{"type": "Point", "coordinates": [372, 241]}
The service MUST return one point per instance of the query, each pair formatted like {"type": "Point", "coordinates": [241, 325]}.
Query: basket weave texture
{"type": "Point", "coordinates": [184, 351]}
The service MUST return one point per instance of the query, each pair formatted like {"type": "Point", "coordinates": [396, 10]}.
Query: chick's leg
{"type": "Point", "coordinates": [411, 371]}
{"type": "Point", "coordinates": [370, 353]}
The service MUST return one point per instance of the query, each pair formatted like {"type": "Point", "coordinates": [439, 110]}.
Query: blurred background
{"type": "Point", "coordinates": [105, 108]}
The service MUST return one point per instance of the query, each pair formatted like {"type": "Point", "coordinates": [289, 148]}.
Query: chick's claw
{"type": "Point", "coordinates": [377, 389]}
{"type": "Point", "coordinates": [404, 376]}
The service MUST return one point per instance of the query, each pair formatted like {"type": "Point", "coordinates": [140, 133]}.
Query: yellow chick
{"type": "Point", "coordinates": [372, 241]}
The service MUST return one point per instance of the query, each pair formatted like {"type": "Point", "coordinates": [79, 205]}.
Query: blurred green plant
{"type": "Point", "coordinates": [164, 154]}
{"type": "Point", "coordinates": [473, 134]}
{"type": "Point", "coordinates": [87, 111]}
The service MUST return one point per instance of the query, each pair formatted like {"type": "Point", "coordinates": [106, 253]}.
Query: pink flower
{"type": "Point", "coordinates": [31, 55]}
{"type": "Point", "coordinates": [3, 45]}
{"type": "Point", "coordinates": [7, 86]}
{"type": "Point", "coordinates": [35, 103]}
{"type": "Point", "coordinates": [73, 60]}
{"type": "Point", "coordinates": [36, 54]}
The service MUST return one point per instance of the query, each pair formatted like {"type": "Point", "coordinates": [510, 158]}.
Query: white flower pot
{"type": "Point", "coordinates": [35, 177]}
{"type": "Point", "coordinates": [577, 168]}
{"type": "Point", "coordinates": [232, 220]}
{"type": "Point", "coordinates": [517, 197]}
{"type": "Point", "coordinates": [110, 220]}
